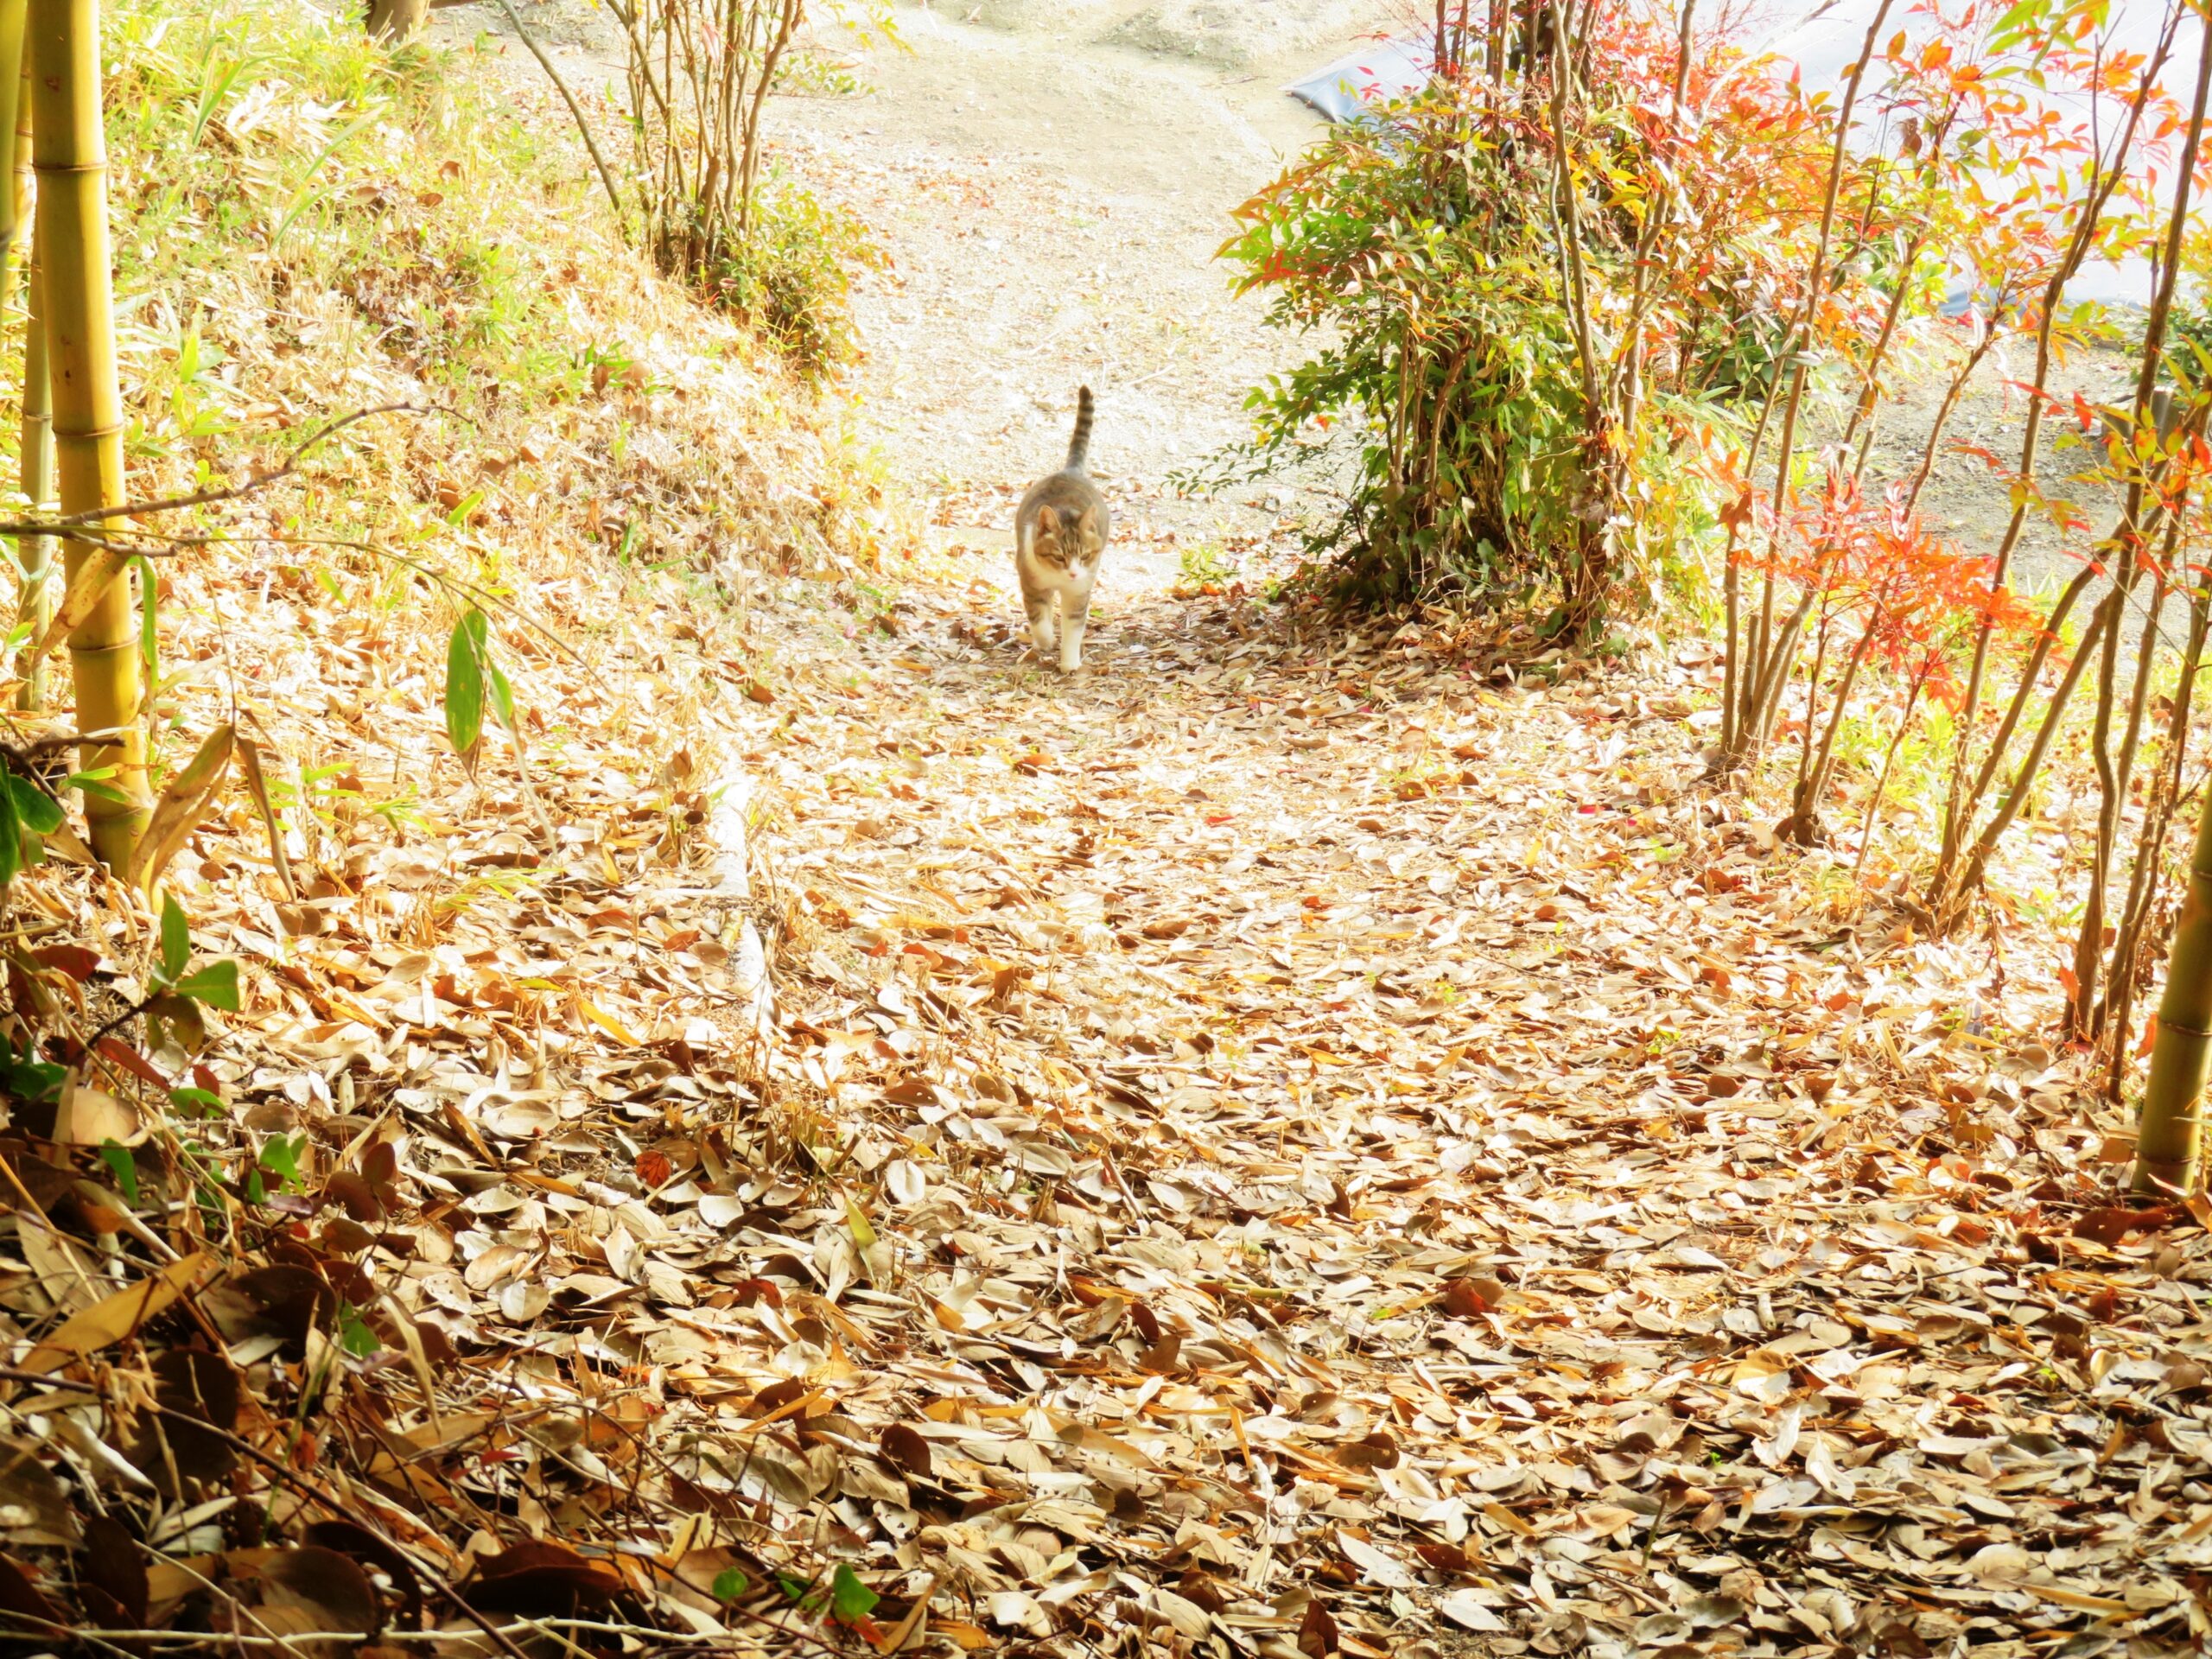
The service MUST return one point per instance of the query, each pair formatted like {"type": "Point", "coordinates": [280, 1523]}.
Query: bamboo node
{"type": "Point", "coordinates": [87, 652]}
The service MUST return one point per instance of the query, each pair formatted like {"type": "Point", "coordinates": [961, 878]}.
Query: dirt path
{"type": "Point", "coordinates": [1052, 207]}
{"type": "Point", "coordinates": [1050, 198]}
{"type": "Point", "coordinates": [1470, 1185]}
{"type": "Point", "coordinates": [1351, 1155]}
{"type": "Point", "coordinates": [1394, 1149]}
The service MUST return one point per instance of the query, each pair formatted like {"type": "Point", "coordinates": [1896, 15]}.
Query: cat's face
{"type": "Point", "coordinates": [1068, 542]}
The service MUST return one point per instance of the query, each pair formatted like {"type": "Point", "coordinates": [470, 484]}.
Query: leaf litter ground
{"type": "Point", "coordinates": [1286, 1143]}
{"type": "Point", "coordinates": [1279, 1144]}
{"type": "Point", "coordinates": [1348, 1137]}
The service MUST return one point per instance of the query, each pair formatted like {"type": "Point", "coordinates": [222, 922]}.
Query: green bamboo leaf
{"type": "Point", "coordinates": [308, 193]}
{"type": "Point", "coordinates": [150, 638]}
{"type": "Point", "coordinates": [177, 940]}
{"type": "Point", "coordinates": [503, 696]}
{"type": "Point", "coordinates": [40, 811]}
{"type": "Point", "coordinates": [11, 837]}
{"type": "Point", "coordinates": [123, 1167]}
{"type": "Point", "coordinates": [850, 1601]}
{"type": "Point", "coordinates": [466, 655]}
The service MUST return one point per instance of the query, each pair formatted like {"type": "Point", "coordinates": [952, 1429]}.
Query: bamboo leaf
{"type": "Point", "coordinates": [183, 806]}
{"type": "Point", "coordinates": [12, 837]}
{"type": "Point", "coordinates": [99, 782]}
{"type": "Point", "coordinates": [25, 811]}
{"type": "Point", "coordinates": [466, 655]}
{"type": "Point", "coordinates": [40, 811]}
{"type": "Point", "coordinates": [307, 193]}
{"type": "Point", "coordinates": [150, 638]}
{"type": "Point", "coordinates": [856, 1219]}
{"type": "Point", "coordinates": [503, 696]}
{"type": "Point", "coordinates": [257, 785]}
{"type": "Point", "coordinates": [177, 940]}
{"type": "Point", "coordinates": [92, 580]}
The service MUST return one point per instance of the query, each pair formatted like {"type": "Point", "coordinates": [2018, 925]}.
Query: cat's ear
{"type": "Point", "coordinates": [1089, 523]}
{"type": "Point", "coordinates": [1048, 522]}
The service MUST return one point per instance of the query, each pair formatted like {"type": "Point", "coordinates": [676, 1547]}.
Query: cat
{"type": "Point", "coordinates": [1059, 538]}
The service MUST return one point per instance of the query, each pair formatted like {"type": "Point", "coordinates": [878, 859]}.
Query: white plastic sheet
{"type": "Point", "coordinates": [1379, 71]}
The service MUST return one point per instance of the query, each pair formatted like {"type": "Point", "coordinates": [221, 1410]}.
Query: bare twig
{"type": "Point", "coordinates": [583, 127]}
{"type": "Point", "coordinates": [339, 1508]}
{"type": "Point", "coordinates": [49, 523]}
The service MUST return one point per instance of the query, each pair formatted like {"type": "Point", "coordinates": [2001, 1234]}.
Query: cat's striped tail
{"type": "Point", "coordinates": [1079, 445]}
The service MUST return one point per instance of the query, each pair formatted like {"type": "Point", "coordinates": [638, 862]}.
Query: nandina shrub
{"type": "Point", "coordinates": [1411, 247]}
{"type": "Point", "coordinates": [1526, 307]}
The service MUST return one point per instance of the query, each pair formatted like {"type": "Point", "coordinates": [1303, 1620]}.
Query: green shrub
{"type": "Point", "coordinates": [1413, 250]}
{"type": "Point", "coordinates": [1540, 308]}
{"type": "Point", "coordinates": [789, 277]}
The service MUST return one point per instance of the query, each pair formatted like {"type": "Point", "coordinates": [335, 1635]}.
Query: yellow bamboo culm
{"type": "Point", "coordinates": [69, 154]}
{"type": "Point", "coordinates": [2169, 1143]}
{"type": "Point", "coordinates": [35, 554]}
{"type": "Point", "coordinates": [34, 453]}
{"type": "Point", "coordinates": [14, 145]}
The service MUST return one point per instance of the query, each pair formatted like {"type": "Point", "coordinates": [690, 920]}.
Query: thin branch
{"type": "Point", "coordinates": [60, 523]}
{"type": "Point", "coordinates": [583, 127]}
{"type": "Point", "coordinates": [353, 1512]}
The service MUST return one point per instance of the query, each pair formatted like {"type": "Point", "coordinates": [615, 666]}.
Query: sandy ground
{"type": "Point", "coordinates": [1052, 209]}
{"type": "Point", "coordinates": [1049, 185]}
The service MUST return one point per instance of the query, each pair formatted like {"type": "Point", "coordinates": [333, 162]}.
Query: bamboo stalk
{"type": "Point", "coordinates": [35, 554]}
{"type": "Point", "coordinates": [2166, 1148]}
{"type": "Point", "coordinates": [70, 154]}
{"type": "Point", "coordinates": [15, 139]}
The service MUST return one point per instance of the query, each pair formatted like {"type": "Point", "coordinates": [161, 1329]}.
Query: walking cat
{"type": "Point", "coordinates": [1059, 537]}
